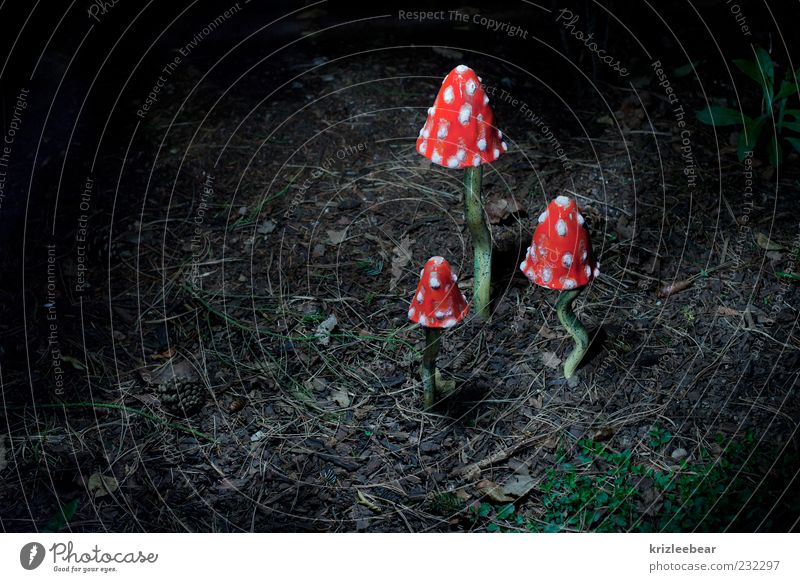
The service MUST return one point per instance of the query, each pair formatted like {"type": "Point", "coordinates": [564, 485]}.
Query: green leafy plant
{"type": "Point", "coordinates": [774, 114]}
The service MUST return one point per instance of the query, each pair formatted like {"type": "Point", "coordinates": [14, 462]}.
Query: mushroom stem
{"type": "Point", "coordinates": [481, 239]}
{"type": "Point", "coordinates": [575, 328]}
{"type": "Point", "coordinates": [428, 367]}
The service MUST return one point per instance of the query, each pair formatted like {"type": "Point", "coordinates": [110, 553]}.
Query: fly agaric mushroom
{"type": "Point", "coordinates": [560, 257]}
{"type": "Point", "coordinates": [460, 134]}
{"type": "Point", "coordinates": [437, 304]}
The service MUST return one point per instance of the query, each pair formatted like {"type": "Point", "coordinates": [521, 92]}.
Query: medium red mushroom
{"type": "Point", "coordinates": [437, 304]}
{"type": "Point", "coordinates": [560, 257]}
{"type": "Point", "coordinates": [460, 134]}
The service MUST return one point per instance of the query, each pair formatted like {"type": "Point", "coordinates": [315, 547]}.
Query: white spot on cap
{"type": "Point", "coordinates": [462, 68]}
{"type": "Point", "coordinates": [482, 144]}
{"type": "Point", "coordinates": [461, 154]}
{"type": "Point", "coordinates": [442, 133]}
{"type": "Point", "coordinates": [411, 312]}
{"type": "Point", "coordinates": [486, 100]}
{"type": "Point", "coordinates": [452, 162]}
{"type": "Point", "coordinates": [588, 270]}
{"type": "Point", "coordinates": [496, 153]}
{"type": "Point", "coordinates": [543, 217]}
{"type": "Point", "coordinates": [566, 260]}
{"type": "Point", "coordinates": [436, 158]}
{"type": "Point", "coordinates": [532, 249]}
{"type": "Point", "coordinates": [543, 251]}
{"type": "Point", "coordinates": [420, 297]}
{"type": "Point", "coordinates": [449, 322]}
{"type": "Point", "coordinates": [453, 277]}
{"type": "Point", "coordinates": [440, 315]}
{"type": "Point", "coordinates": [499, 134]}
{"type": "Point", "coordinates": [561, 227]}
{"type": "Point", "coordinates": [547, 274]}
{"type": "Point", "coordinates": [421, 271]}
{"type": "Point", "coordinates": [465, 113]}
{"type": "Point", "coordinates": [448, 94]}
{"type": "Point", "coordinates": [471, 87]}
{"type": "Point", "coordinates": [426, 133]}
{"type": "Point", "coordinates": [431, 110]}
{"type": "Point", "coordinates": [580, 219]}
{"type": "Point", "coordinates": [522, 266]}
{"type": "Point", "coordinates": [433, 281]}
{"type": "Point", "coordinates": [423, 320]}
{"type": "Point", "coordinates": [437, 260]}
{"type": "Point", "coordinates": [449, 312]}
{"type": "Point", "coordinates": [569, 283]}
{"type": "Point", "coordinates": [479, 117]}
{"type": "Point", "coordinates": [476, 160]}
{"type": "Point", "coordinates": [596, 271]}
{"type": "Point", "coordinates": [423, 146]}
{"type": "Point", "coordinates": [562, 201]}
{"type": "Point", "coordinates": [584, 255]}
{"type": "Point", "coordinates": [505, 146]}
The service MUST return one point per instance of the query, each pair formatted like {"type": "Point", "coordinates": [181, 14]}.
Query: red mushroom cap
{"type": "Point", "coordinates": [438, 302]}
{"type": "Point", "coordinates": [560, 256]}
{"type": "Point", "coordinates": [460, 131]}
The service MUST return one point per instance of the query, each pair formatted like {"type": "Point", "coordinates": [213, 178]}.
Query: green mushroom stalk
{"type": "Point", "coordinates": [481, 240]}
{"type": "Point", "coordinates": [574, 327]}
{"type": "Point", "coordinates": [427, 368]}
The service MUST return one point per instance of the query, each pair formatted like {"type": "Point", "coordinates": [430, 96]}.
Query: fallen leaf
{"type": "Point", "coordinates": [500, 210]}
{"type": "Point", "coordinates": [493, 491]}
{"type": "Point", "coordinates": [101, 485]}
{"type": "Point", "coordinates": [400, 259]}
{"type": "Point", "coordinates": [546, 332]}
{"type": "Point", "coordinates": [318, 251]}
{"type": "Point", "coordinates": [336, 237]}
{"type": "Point", "coordinates": [324, 329]}
{"type": "Point", "coordinates": [722, 310]}
{"type": "Point", "coordinates": [517, 486]}
{"type": "Point", "coordinates": [341, 398]}
{"type": "Point", "coordinates": [673, 288]}
{"type": "Point", "coordinates": [258, 436]}
{"type": "Point", "coordinates": [551, 360]}
{"type": "Point", "coordinates": [444, 387]}
{"type": "Point", "coordinates": [266, 227]}
{"type": "Point", "coordinates": [603, 434]}
{"type": "Point", "coordinates": [765, 243]}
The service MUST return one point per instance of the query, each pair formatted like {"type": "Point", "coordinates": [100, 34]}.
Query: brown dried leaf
{"type": "Point", "coordinates": [673, 288]}
{"type": "Point", "coordinates": [765, 243]}
{"type": "Point", "coordinates": [101, 485]}
{"type": "Point", "coordinates": [493, 491]}
{"type": "Point", "coordinates": [499, 210]}
{"type": "Point", "coordinates": [722, 310]}
{"type": "Point", "coordinates": [400, 259]}
{"type": "Point", "coordinates": [551, 360]}
{"type": "Point", "coordinates": [336, 237]}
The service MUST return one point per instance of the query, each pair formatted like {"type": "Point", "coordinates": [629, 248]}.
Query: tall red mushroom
{"type": "Point", "coordinates": [459, 133]}
{"type": "Point", "coordinates": [437, 304]}
{"type": "Point", "coordinates": [560, 257]}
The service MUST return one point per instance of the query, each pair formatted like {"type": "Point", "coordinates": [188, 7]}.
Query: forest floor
{"type": "Point", "coordinates": [219, 405]}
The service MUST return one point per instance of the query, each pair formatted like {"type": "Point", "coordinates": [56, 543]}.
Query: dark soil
{"type": "Point", "coordinates": [198, 384]}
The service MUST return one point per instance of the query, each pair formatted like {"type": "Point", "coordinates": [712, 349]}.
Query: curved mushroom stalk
{"type": "Point", "coordinates": [437, 305]}
{"type": "Point", "coordinates": [560, 257]}
{"type": "Point", "coordinates": [575, 328]}
{"type": "Point", "coordinates": [459, 133]}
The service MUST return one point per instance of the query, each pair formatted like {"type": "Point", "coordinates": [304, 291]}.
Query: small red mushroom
{"type": "Point", "coordinates": [437, 304]}
{"type": "Point", "coordinates": [459, 133]}
{"type": "Point", "coordinates": [560, 257]}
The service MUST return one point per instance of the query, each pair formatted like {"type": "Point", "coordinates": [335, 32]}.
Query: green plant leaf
{"type": "Point", "coordinates": [795, 113]}
{"type": "Point", "coordinates": [748, 137]}
{"type": "Point", "coordinates": [787, 90]}
{"type": "Point", "coordinates": [505, 511]}
{"type": "Point", "coordinates": [713, 115]}
{"type": "Point", "coordinates": [62, 517]}
{"type": "Point", "coordinates": [793, 125]}
{"type": "Point", "coordinates": [750, 68]}
{"type": "Point", "coordinates": [795, 142]}
{"type": "Point", "coordinates": [775, 153]}
{"type": "Point", "coordinates": [790, 276]}
{"type": "Point", "coordinates": [767, 70]}
{"type": "Point", "coordinates": [686, 69]}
